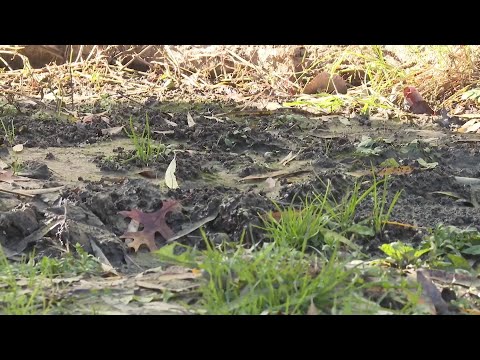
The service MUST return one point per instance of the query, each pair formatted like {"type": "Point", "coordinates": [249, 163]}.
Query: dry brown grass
{"type": "Point", "coordinates": [241, 73]}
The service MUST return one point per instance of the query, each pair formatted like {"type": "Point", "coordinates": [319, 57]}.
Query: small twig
{"type": "Point", "coordinates": [137, 57]}
{"type": "Point", "coordinates": [5, 63]}
{"type": "Point", "coordinates": [71, 77]}
{"type": "Point", "coordinates": [133, 262]}
{"type": "Point", "coordinates": [90, 54]}
{"type": "Point", "coordinates": [80, 53]}
{"type": "Point", "coordinates": [17, 193]}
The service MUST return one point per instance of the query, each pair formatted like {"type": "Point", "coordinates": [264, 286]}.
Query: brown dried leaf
{"type": "Point", "coordinates": [213, 118]}
{"type": "Point", "coordinates": [87, 118]}
{"type": "Point", "coordinates": [152, 223]}
{"type": "Point", "coordinates": [8, 177]}
{"type": "Point", "coordinates": [113, 130]}
{"type": "Point", "coordinates": [171, 123]}
{"type": "Point", "coordinates": [400, 170]}
{"type": "Point", "coordinates": [432, 294]}
{"type": "Point", "coordinates": [287, 158]}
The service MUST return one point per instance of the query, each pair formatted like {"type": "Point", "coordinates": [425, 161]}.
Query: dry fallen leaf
{"type": "Point", "coordinates": [396, 223]}
{"type": "Point", "coordinates": [273, 106]}
{"type": "Point", "coordinates": [288, 158]}
{"type": "Point", "coordinates": [192, 227]}
{"type": "Point", "coordinates": [108, 269]}
{"type": "Point", "coordinates": [275, 215]}
{"type": "Point", "coordinates": [400, 170]}
{"type": "Point", "coordinates": [27, 102]}
{"type": "Point", "coordinates": [42, 191]}
{"type": "Point", "coordinates": [88, 118]}
{"type": "Point", "coordinates": [470, 126]}
{"type": "Point", "coordinates": [171, 123]}
{"type": "Point", "coordinates": [359, 173]}
{"type": "Point", "coordinates": [166, 132]}
{"type": "Point", "coordinates": [190, 121]}
{"type": "Point", "coordinates": [432, 294]}
{"type": "Point", "coordinates": [166, 276]}
{"type": "Point", "coordinates": [213, 118]}
{"type": "Point", "coordinates": [113, 130]}
{"type": "Point", "coordinates": [312, 309]}
{"type": "Point", "coordinates": [152, 223]}
{"type": "Point", "coordinates": [8, 177]}
{"type": "Point", "coordinates": [170, 179]}
{"type": "Point", "coordinates": [161, 287]}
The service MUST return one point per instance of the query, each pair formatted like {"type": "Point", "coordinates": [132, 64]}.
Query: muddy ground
{"type": "Point", "coordinates": [99, 178]}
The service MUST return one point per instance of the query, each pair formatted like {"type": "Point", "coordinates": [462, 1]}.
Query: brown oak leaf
{"type": "Point", "coordinates": [152, 223]}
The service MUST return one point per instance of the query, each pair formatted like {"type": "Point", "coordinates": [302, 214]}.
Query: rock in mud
{"type": "Point", "coordinates": [36, 170]}
{"type": "Point", "coordinates": [16, 225]}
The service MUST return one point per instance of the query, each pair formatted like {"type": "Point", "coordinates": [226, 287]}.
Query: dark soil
{"type": "Point", "coordinates": [214, 154]}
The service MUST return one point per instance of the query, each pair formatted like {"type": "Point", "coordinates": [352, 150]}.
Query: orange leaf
{"type": "Point", "coordinates": [401, 170]}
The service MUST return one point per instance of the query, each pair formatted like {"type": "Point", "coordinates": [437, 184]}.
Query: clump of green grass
{"type": "Point", "coordinates": [273, 279]}
{"type": "Point", "coordinates": [301, 267]}
{"type": "Point", "coordinates": [71, 264]}
{"type": "Point", "coordinates": [9, 138]}
{"type": "Point", "coordinates": [22, 292]}
{"type": "Point", "coordinates": [8, 132]}
{"type": "Point", "coordinates": [452, 247]}
{"type": "Point", "coordinates": [277, 279]}
{"type": "Point", "coordinates": [145, 148]}
{"type": "Point", "coordinates": [16, 165]}
{"type": "Point", "coordinates": [324, 221]}
{"type": "Point", "coordinates": [381, 209]}
{"type": "Point", "coordinates": [27, 286]}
